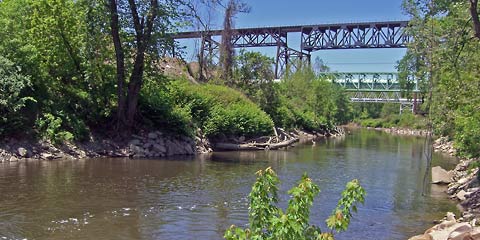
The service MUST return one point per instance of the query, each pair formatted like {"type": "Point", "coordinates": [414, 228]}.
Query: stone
{"type": "Point", "coordinates": [463, 180]}
{"type": "Point", "coordinates": [421, 237]}
{"type": "Point", "coordinates": [159, 148]}
{"type": "Point", "coordinates": [46, 156]}
{"type": "Point", "coordinates": [441, 176]}
{"type": "Point", "coordinates": [152, 135]}
{"type": "Point", "coordinates": [460, 231]}
{"type": "Point", "coordinates": [461, 195]}
{"type": "Point", "coordinates": [13, 159]}
{"type": "Point", "coordinates": [22, 152]}
{"type": "Point", "coordinates": [135, 142]}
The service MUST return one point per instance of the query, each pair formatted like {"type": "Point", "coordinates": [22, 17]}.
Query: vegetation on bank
{"type": "Point", "coordinates": [68, 69]}
{"type": "Point", "coordinates": [446, 61]}
{"type": "Point", "coordinates": [268, 221]}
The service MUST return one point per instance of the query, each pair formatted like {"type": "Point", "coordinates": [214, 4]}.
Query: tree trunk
{"type": "Point", "coordinates": [476, 21]}
{"type": "Point", "coordinates": [120, 58]}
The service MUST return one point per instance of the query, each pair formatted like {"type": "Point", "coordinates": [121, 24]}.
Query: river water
{"type": "Point", "coordinates": [198, 198]}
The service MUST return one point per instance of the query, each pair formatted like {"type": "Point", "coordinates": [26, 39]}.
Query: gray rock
{"type": "Point", "coordinates": [440, 175]}
{"type": "Point", "coordinates": [152, 135]}
{"type": "Point", "coordinates": [461, 195]}
{"type": "Point", "coordinates": [159, 148]}
{"type": "Point", "coordinates": [13, 159]}
{"type": "Point", "coordinates": [136, 142]}
{"type": "Point", "coordinates": [46, 156]}
{"type": "Point", "coordinates": [22, 152]}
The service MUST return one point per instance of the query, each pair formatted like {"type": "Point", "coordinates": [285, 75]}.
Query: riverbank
{"type": "Point", "coordinates": [393, 130]}
{"type": "Point", "coordinates": [145, 144]}
{"type": "Point", "coordinates": [464, 188]}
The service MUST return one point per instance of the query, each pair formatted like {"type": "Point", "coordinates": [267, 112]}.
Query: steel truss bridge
{"type": "Point", "coordinates": [377, 87]}
{"type": "Point", "coordinates": [389, 34]}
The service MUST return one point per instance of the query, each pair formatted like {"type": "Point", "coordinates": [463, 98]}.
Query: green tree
{"type": "Point", "coordinates": [12, 96]}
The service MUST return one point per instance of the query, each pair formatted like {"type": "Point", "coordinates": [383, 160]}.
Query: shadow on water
{"type": "Point", "coordinates": [199, 197]}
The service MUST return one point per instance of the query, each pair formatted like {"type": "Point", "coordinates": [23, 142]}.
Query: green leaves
{"type": "Point", "coordinates": [340, 218]}
{"type": "Point", "coordinates": [267, 221]}
{"type": "Point", "coordinates": [12, 95]}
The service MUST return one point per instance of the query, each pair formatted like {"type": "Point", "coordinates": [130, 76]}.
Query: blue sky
{"type": "Point", "coordinates": [306, 12]}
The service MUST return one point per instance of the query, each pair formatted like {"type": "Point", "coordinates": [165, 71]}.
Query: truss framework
{"type": "Point", "coordinates": [313, 38]}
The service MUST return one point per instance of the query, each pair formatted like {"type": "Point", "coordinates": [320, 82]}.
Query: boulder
{"type": "Point", "coordinates": [22, 152]}
{"type": "Point", "coordinates": [421, 237]}
{"type": "Point", "coordinates": [441, 176]}
{"type": "Point", "coordinates": [46, 156]}
{"type": "Point", "coordinates": [461, 195]}
{"type": "Point", "coordinates": [152, 135]}
{"type": "Point", "coordinates": [135, 142]}
{"type": "Point", "coordinates": [159, 148]}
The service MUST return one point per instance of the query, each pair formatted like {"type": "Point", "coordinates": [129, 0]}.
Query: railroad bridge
{"type": "Point", "coordinates": [378, 87]}
{"type": "Point", "coordinates": [390, 34]}
{"type": "Point", "coordinates": [362, 87]}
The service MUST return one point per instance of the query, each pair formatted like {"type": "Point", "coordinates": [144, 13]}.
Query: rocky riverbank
{"type": "Point", "coordinates": [146, 144]}
{"type": "Point", "coordinates": [463, 187]}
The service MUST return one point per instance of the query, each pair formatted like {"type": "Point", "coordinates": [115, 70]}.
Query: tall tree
{"type": "Point", "coordinates": [474, 14]}
{"type": "Point", "coordinates": [226, 47]}
{"type": "Point", "coordinates": [143, 28]}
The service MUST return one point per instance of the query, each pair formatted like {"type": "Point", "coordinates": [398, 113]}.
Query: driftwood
{"type": "Point", "coordinates": [280, 140]}
{"type": "Point", "coordinates": [255, 146]}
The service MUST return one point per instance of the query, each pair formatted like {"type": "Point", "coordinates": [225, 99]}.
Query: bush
{"type": "Point", "coordinates": [12, 97]}
{"type": "Point", "coordinates": [215, 109]}
{"type": "Point", "coordinates": [467, 132]}
{"type": "Point", "coordinates": [267, 221]}
{"type": "Point", "coordinates": [50, 128]}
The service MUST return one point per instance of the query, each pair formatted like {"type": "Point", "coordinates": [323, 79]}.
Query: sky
{"type": "Point", "coordinates": [307, 12]}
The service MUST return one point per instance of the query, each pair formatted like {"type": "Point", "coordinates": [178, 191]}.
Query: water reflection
{"type": "Point", "coordinates": [198, 198]}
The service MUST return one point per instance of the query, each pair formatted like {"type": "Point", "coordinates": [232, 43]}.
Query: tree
{"type": "Point", "coordinates": [475, 20]}
{"type": "Point", "coordinates": [226, 47]}
{"type": "Point", "coordinates": [143, 26]}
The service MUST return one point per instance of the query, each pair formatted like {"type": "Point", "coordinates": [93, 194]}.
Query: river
{"type": "Point", "coordinates": [199, 197]}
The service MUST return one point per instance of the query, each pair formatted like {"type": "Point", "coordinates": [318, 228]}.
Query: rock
{"type": "Point", "coordinates": [159, 148]}
{"type": "Point", "coordinates": [421, 237]}
{"type": "Point", "coordinates": [152, 135]}
{"type": "Point", "coordinates": [460, 231]}
{"type": "Point", "coordinates": [461, 195]}
{"type": "Point", "coordinates": [22, 152]}
{"type": "Point", "coordinates": [135, 142]}
{"type": "Point", "coordinates": [13, 159]}
{"type": "Point", "coordinates": [46, 156]}
{"type": "Point", "coordinates": [440, 175]}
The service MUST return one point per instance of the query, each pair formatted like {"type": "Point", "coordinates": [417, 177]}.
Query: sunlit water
{"type": "Point", "coordinates": [198, 198]}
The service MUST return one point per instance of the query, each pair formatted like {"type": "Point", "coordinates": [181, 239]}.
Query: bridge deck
{"type": "Point", "coordinates": [293, 28]}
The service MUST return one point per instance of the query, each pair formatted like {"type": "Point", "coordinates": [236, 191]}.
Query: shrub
{"type": "Point", "coordinates": [12, 98]}
{"type": "Point", "coordinates": [215, 109]}
{"type": "Point", "coordinates": [50, 128]}
{"type": "Point", "coordinates": [467, 134]}
{"type": "Point", "coordinates": [267, 221]}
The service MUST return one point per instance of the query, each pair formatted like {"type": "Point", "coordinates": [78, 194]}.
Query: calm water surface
{"type": "Point", "coordinates": [198, 198]}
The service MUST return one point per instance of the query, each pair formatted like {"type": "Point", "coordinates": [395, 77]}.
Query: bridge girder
{"type": "Point", "coordinates": [313, 38]}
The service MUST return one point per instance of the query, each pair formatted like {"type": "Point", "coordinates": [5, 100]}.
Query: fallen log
{"type": "Point", "coordinates": [254, 146]}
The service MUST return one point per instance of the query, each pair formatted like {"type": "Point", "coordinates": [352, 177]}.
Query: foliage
{"type": "Point", "coordinates": [446, 62]}
{"type": "Point", "coordinates": [314, 102]}
{"type": "Point", "coordinates": [50, 128]}
{"type": "Point", "coordinates": [404, 120]}
{"type": "Point", "coordinates": [267, 221]}
{"type": "Point", "coordinates": [217, 110]}
{"type": "Point", "coordinates": [467, 134]}
{"type": "Point", "coordinates": [12, 97]}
